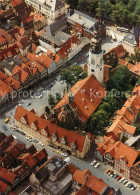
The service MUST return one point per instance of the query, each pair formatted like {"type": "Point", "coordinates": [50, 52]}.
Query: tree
{"type": "Point", "coordinates": [107, 107]}
{"type": "Point", "coordinates": [13, 23]}
{"type": "Point", "coordinates": [73, 74]}
{"type": "Point", "coordinates": [120, 79]}
{"type": "Point", "coordinates": [99, 120]}
{"type": "Point", "coordinates": [47, 110]}
{"type": "Point", "coordinates": [135, 58]}
{"type": "Point", "coordinates": [51, 101]}
{"type": "Point", "coordinates": [100, 10]}
{"type": "Point", "coordinates": [58, 96]}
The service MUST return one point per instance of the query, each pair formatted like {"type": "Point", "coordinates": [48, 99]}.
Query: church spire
{"type": "Point", "coordinates": [96, 41]}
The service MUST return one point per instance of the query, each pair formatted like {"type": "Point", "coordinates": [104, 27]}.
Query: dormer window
{"type": "Point", "coordinates": [63, 140]}
{"type": "Point", "coordinates": [54, 137]}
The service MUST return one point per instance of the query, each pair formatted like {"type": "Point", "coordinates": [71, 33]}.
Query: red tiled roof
{"type": "Point", "coordinates": [80, 176]}
{"type": "Point", "coordinates": [68, 45]}
{"type": "Point", "coordinates": [9, 80]}
{"type": "Point", "coordinates": [119, 51]}
{"type": "Point", "coordinates": [2, 39]}
{"type": "Point", "coordinates": [126, 116]}
{"type": "Point", "coordinates": [40, 155]}
{"type": "Point", "coordinates": [16, 2]}
{"type": "Point", "coordinates": [87, 95]}
{"type": "Point", "coordinates": [55, 57]}
{"type": "Point", "coordinates": [28, 19]}
{"type": "Point", "coordinates": [9, 52]}
{"type": "Point", "coordinates": [44, 60]}
{"type": "Point", "coordinates": [4, 89]}
{"type": "Point", "coordinates": [21, 74]}
{"type": "Point", "coordinates": [7, 175]}
{"type": "Point", "coordinates": [23, 43]}
{"type": "Point", "coordinates": [3, 186]}
{"type": "Point", "coordinates": [83, 191]}
{"type": "Point", "coordinates": [135, 69]}
{"type": "Point", "coordinates": [32, 150]}
{"type": "Point", "coordinates": [4, 34]}
{"type": "Point", "coordinates": [45, 125]}
{"type": "Point", "coordinates": [96, 184]}
{"type": "Point", "coordinates": [127, 153]}
{"type": "Point", "coordinates": [72, 168]}
{"type": "Point", "coordinates": [28, 158]}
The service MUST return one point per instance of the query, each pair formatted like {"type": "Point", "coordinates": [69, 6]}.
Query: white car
{"type": "Point", "coordinates": [133, 188]}
{"type": "Point", "coordinates": [62, 154]}
{"type": "Point", "coordinates": [121, 180]}
{"type": "Point", "coordinates": [42, 144]}
{"type": "Point", "coordinates": [30, 140]}
{"type": "Point", "coordinates": [97, 165]}
{"type": "Point", "coordinates": [93, 162]}
{"type": "Point", "coordinates": [67, 160]}
{"type": "Point", "coordinates": [127, 184]}
{"type": "Point", "coordinates": [27, 138]}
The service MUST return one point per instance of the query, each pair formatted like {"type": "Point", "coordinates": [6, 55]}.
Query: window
{"type": "Point", "coordinates": [93, 61]}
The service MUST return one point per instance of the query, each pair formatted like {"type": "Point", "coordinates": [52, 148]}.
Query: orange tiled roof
{"type": "Point", "coordinates": [96, 184]}
{"type": "Point", "coordinates": [87, 95]}
{"type": "Point", "coordinates": [126, 116]}
{"type": "Point", "coordinates": [80, 177]}
{"type": "Point", "coordinates": [72, 168]}
{"type": "Point", "coordinates": [3, 186]}
{"type": "Point", "coordinates": [4, 89]}
{"type": "Point", "coordinates": [22, 75]}
{"type": "Point", "coordinates": [119, 51]}
{"type": "Point", "coordinates": [83, 191]}
{"type": "Point", "coordinates": [7, 175]}
{"type": "Point", "coordinates": [9, 80]}
{"type": "Point", "coordinates": [40, 155]}
{"type": "Point", "coordinates": [2, 39]}
{"type": "Point", "coordinates": [135, 69]}
{"type": "Point", "coordinates": [55, 57]}
{"type": "Point", "coordinates": [16, 2]}
{"type": "Point", "coordinates": [44, 60]}
{"type": "Point", "coordinates": [48, 129]}
{"type": "Point", "coordinates": [127, 153]}
{"type": "Point", "coordinates": [68, 45]}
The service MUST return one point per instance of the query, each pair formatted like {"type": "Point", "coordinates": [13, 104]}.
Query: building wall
{"type": "Point", "coordinates": [50, 142]}
{"type": "Point", "coordinates": [121, 167]}
{"type": "Point", "coordinates": [45, 10]}
{"type": "Point", "coordinates": [96, 66]}
{"type": "Point", "coordinates": [129, 48]}
{"type": "Point", "coordinates": [135, 174]}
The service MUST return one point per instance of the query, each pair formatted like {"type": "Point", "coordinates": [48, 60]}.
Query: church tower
{"type": "Point", "coordinates": [96, 63]}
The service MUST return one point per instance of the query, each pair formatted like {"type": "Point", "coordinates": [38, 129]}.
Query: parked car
{"type": "Point", "coordinates": [134, 188]}
{"type": "Point", "coordinates": [121, 180]}
{"type": "Point", "coordinates": [4, 127]}
{"type": "Point", "coordinates": [42, 144]}
{"type": "Point", "coordinates": [130, 185]}
{"type": "Point", "coordinates": [93, 162]}
{"type": "Point", "coordinates": [28, 104]}
{"type": "Point", "coordinates": [112, 174]}
{"type": "Point", "coordinates": [118, 178]}
{"type": "Point", "coordinates": [97, 165]}
{"type": "Point", "coordinates": [35, 140]}
{"type": "Point", "coordinates": [107, 171]}
{"type": "Point", "coordinates": [125, 181]}
{"type": "Point", "coordinates": [115, 176]}
{"type": "Point", "coordinates": [127, 184]}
